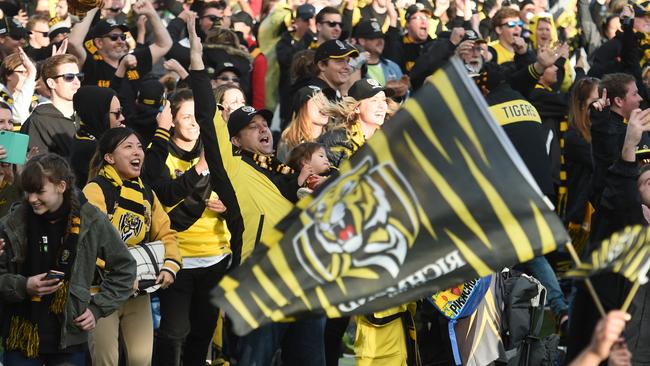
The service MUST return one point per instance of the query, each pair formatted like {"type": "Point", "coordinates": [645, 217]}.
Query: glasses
{"type": "Point", "coordinates": [513, 23]}
{"type": "Point", "coordinates": [44, 34]}
{"type": "Point", "coordinates": [69, 77]}
{"type": "Point", "coordinates": [228, 80]}
{"type": "Point", "coordinates": [213, 18]}
{"type": "Point", "coordinates": [114, 10]}
{"type": "Point", "coordinates": [117, 113]}
{"type": "Point", "coordinates": [333, 24]}
{"type": "Point", "coordinates": [115, 36]}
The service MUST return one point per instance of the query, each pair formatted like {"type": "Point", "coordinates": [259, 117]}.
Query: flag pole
{"type": "Point", "coordinates": [590, 287]}
{"type": "Point", "coordinates": [630, 296]}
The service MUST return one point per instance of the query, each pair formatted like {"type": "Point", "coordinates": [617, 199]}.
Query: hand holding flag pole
{"type": "Point", "coordinates": [590, 286]}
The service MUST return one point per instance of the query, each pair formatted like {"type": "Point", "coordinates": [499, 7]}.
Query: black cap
{"type": "Point", "coordinates": [303, 95]}
{"type": "Point", "coordinates": [368, 29]}
{"type": "Point", "coordinates": [12, 27]}
{"type": "Point", "coordinates": [470, 35]}
{"type": "Point", "coordinates": [334, 49]}
{"type": "Point", "coordinates": [9, 8]}
{"type": "Point", "coordinates": [305, 12]}
{"type": "Point", "coordinates": [364, 89]}
{"type": "Point", "coordinates": [417, 7]}
{"type": "Point", "coordinates": [242, 17]}
{"type": "Point", "coordinates": [151, 93]}
{"type": "Point", "coordinates": [218, 61]}
{"type": "Point", "coordinates": [105, 26]}
{"type": "Point", "coordinates": [57, 29]}
{"type": "Point", "coordinates": [641, 9]}
{"type": "Point", "coordinates": [243, 116]}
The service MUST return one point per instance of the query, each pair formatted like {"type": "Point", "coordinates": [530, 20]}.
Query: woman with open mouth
{"type": "Point", "coordinates": [136, 213]}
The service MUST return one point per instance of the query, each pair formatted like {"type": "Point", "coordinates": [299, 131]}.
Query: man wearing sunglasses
{"type": "Point", "coordinates": [52, 126]}
{"type": "Point", "coordinates": [100, 56]}
{"type": "Point", "coordinates": [508, 27]}
{"type": "Point", "coordinates": [328, 25]}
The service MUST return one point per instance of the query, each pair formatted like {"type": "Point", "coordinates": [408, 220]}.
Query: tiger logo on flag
{"type": "Point", "coordinates": [372, 204]}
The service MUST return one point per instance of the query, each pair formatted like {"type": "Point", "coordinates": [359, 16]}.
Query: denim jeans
{"type": "Point", "coordinates": [539, 268]}
{"type": "Point", "coordinates": [15, 358]}
{"type": "Point", "coordinates": [301, 342]}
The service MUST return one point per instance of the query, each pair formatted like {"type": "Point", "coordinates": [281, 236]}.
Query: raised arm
{"type": "Point", "coordinates": [162, 40]}
{"type": "Point", "coordinates": [78, 34]}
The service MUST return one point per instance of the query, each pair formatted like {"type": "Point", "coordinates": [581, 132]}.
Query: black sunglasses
{"type": "Point", "coordinates": [333, 24]}
{"type": "Point", "coordinates": [117, 113]}
{"type": "Point", "coordinates": [43, 33]}
{"type": "Point", "coordinates": [114, 10]}
{"type": "Point", "coordinates": [115, 36]}
{"type": "Point", "coordinates": [69, 77]}
{"type": "Point", "coordinates": [213, 18]}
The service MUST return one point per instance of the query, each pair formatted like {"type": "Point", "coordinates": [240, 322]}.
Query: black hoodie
{"type": "Point", "coordinates": [50, 130]}
{"type": "Point", "coordinates": [92, 105]}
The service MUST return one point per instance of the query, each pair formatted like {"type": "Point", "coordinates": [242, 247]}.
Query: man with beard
{"type": "Point", "coordinates": [100, 56]}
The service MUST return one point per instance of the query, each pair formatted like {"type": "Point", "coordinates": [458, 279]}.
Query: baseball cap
{"type": "Point", "coordinates": [242, 17]}
{"type": "Point", "coordinates": [11, 27]}
{"type": "Point", "coordinates": [641, 9]}
{"type": "Point", "coordinates": [334, 49]}
{"type": "Point", "coordinates": [303, 95]}
{"type": "Point", "coordinates": [368, 29]}
{"type": "Point", "coordinates": [151, 93]}
{"type": "Point", "coordinates": [305, 12]}
{"type": "Point", "coordinates": [57, 29]}
{"type": "Point", "coordinates": [9, 8]}
{"type": "Point", "coordinates": [417, 7]}
{"type": "Point", "coordinates": [471, 35]}
{"type": "Point", "coordinates": [243, 116]}
{"type": "Point", "coordinates": [105, 26]}
{"type": "Point", "coordinates": [364, 89]}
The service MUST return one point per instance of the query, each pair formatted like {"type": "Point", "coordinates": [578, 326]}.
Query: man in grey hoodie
{"type": "Point", "coordinates": [52, 126]}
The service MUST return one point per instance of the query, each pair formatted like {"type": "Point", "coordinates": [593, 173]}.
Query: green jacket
{"type": "Point", "coordinates": [97, 238]}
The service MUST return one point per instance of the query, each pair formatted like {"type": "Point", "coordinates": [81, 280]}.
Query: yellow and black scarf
{"type": "Point", "coordinates": [23, 335]}
{"type": "Point", "coordinates": [126, 207]}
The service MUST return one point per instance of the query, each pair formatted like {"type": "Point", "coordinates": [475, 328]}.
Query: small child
{"type": "Point", "coordinates": [310, 159]}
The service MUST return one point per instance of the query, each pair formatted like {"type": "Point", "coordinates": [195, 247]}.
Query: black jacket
{"type": "Point", "coordinates": [50, 130]}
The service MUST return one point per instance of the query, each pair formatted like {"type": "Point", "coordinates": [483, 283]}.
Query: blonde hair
{"type": "Point", "coordinates": [299, 130]}
{"type": "Point", "coordinates": [344, 113]}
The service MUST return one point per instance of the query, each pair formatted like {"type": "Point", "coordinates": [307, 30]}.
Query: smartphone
{"type": "Point", "coordinates": [54, 275]}
{"type": "Point", "coordinates": [15, 144]}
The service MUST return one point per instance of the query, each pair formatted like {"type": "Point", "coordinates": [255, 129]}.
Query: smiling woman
{"type": "Point", "coordinates": [136, 213]}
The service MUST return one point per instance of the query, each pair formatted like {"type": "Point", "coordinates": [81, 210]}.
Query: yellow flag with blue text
{"type": "Point", "coordinates": [436, 198]}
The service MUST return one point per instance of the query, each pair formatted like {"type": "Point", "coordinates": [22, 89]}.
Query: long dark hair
{"type": "Point", "coordinates": [55, 169]}
{"type": "Point", "coordinates": [106, 145]}
{"type": "Point", "coordinates": [579, 109]}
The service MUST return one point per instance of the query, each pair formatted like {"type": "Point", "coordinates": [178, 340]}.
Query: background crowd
{"type": "Point", "coordinates": [198, 124]}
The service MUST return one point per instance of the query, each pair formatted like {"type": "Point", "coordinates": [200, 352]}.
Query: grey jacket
{"type": "Point", "coordinates": [97, 239]}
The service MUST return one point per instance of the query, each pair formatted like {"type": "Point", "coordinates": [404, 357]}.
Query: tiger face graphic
{"type": "Point", "coordinates": [365, 222]}
{"type": "Point", "coordinates": [130, 226]}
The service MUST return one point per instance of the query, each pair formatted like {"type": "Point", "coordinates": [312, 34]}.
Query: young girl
{"type": "Point", "coordinates": [138, 216]}
{"type": "Point", "coordinates": [55, 228]}
{"type": "Point", "coordinates": [310, 157]}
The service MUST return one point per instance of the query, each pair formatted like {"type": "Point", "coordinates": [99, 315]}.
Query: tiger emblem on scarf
{"type": "Point", "coordinates": [366, 222]}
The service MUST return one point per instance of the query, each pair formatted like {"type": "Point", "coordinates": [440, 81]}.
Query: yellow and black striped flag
{"type": "Point", "coordinates": [626, 252]}
{"type": "Point", "coordinates": [436, 198]}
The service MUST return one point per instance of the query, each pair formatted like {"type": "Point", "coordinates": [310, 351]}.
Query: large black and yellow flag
{"type": "Point", "coordinates": [436, 198]}
{"type": "Point", "coordinates": [626, 252]}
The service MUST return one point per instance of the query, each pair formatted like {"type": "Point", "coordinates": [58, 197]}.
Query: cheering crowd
{"type": "Point", "coordinates": [177, 134]}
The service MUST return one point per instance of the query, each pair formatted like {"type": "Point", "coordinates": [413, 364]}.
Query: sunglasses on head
{"type": "Point", "coordinates": [227, 79]}
{"type": "Point", "coordinates": [69, 77]}
{"type": "Point", "coordinates": [115, 36]}
{"type": "Point", "coordinates": [514, 23]}
{"type": "Point", "coordinates": [332, 24]}
{"type": "Point", "coordinates": [213, 18]}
